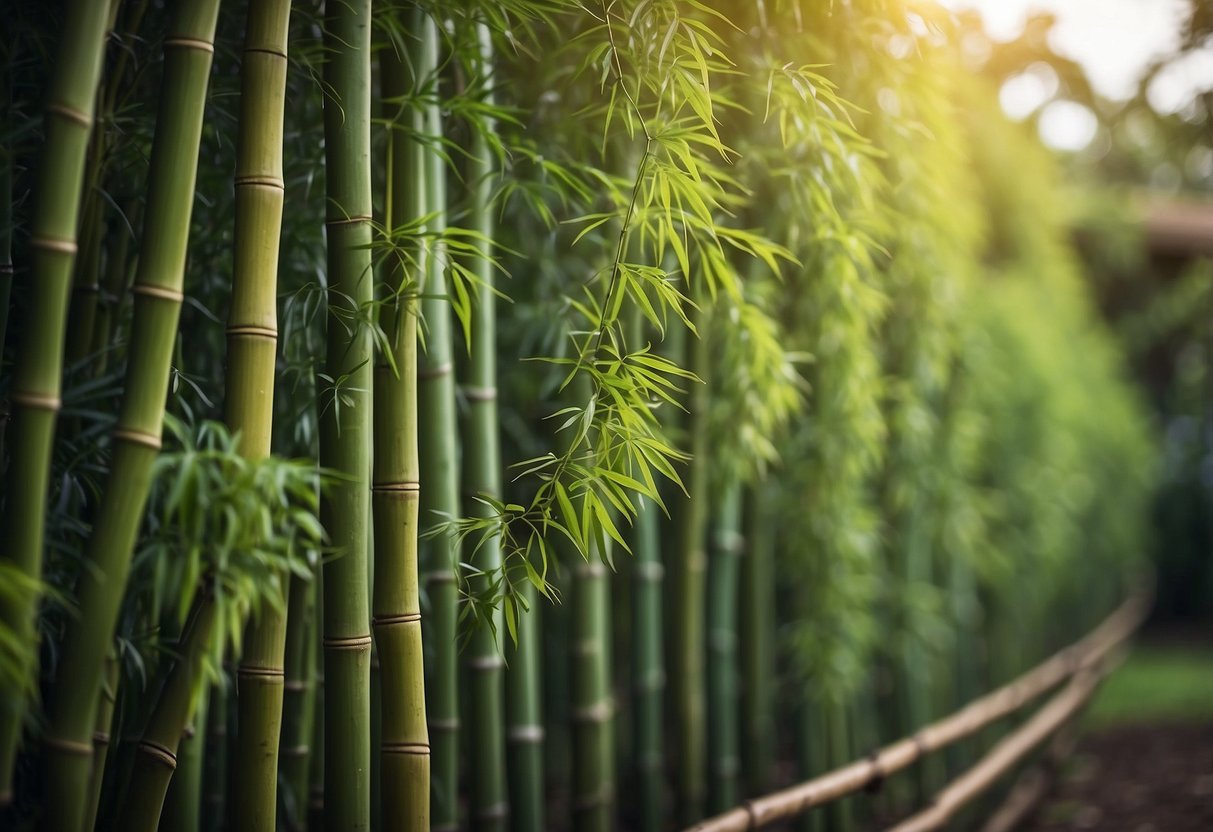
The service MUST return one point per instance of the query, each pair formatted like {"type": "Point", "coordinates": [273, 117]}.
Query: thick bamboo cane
{"type": "Point", "coordinates": [37, 375]}
{"type": "Point", "coordinates": [252, 340]}
{"type": "Point", "coordinates": [346, 423]}
{"type": "Point", "coordinates": [136, 438]}
{"type": "Point", "coordinates": [404, 744]}
{"type": "Point", "coordinates": [299, 701]}
{"type": "Point", "coordinates": [1086, 653]}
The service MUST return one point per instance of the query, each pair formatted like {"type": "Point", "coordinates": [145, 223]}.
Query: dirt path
{"type": "Point", "coordinates": [1156, 778]}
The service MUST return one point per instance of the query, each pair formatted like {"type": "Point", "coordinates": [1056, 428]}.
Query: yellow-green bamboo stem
{"type": "Point", "coordinates": [102, 736]}
{"type": "Point", "coordinates": [345, 429]}
{"type": "Point", "coordinates": [136, 438]}
{"type": "Point", "coordinates": [404, 744]}
{"type": "Point", "coordinates": [34, 396]}
{"type": "Point", "coordinates": [593, 794]}
{"type": "Point", "coordinates": [183, 803]}
{"type": "Point", "coordinates": [252, 339]}
{"type": "Point", "coordinates": [440, 478]}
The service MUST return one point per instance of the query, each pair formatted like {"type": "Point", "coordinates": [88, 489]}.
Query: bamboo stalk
{"type": "Point", "coordinates": [690, 605]}
{"type": "Point", "coordinates": [136, 439]}
{"type": "Point", "coordinates": [157, 752]}
{"type": "Point", "coordinates": [593, 709]}
{"type": "Point", "coordinates": [995, 705]}
{"type": "Point", "coordinates": [404, 744]}
{"type": "Point", "coordinates": [299, 701]}
{"type": "Point", "coordinates": [252, 339]}
{"type": "Point", "coordinates": [215, 762]}
{"type": "Point", "coordinates": [723, 751]}
{"type": "Point", "coordinates": [439, 473]}
{"type": "Point", "coordinates": [346, 423]}
{"type": "Point", "coordinates": [36, 381]}
{"type": "Point", "coordinates": [102, 736]}
{"type": "Point", "coordinates": [183, 803]}
{"type": "Point", "coordinates": [757, 634]}
{"type": "Point", "coordinates": [649, 669]}
{"type": "Point", "coordinates": [481, 477]}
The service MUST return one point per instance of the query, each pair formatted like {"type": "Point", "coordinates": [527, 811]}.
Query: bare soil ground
{"type": "Point", "coordinates": [1135, 778]}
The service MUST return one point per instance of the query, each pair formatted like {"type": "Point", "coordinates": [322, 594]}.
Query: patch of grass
{"type": "Point", "coordinates": [1157, 684]}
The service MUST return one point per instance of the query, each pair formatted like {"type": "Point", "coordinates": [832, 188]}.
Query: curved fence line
{"type": "Point", "coordinates": [1083, 655]}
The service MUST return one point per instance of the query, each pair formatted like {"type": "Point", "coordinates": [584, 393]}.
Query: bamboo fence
{"type": "Point", "coordinates": [1079, 661]}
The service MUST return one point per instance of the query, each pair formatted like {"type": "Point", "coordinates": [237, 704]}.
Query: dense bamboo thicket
{"type": "Point", "coordinates": [579, 415]}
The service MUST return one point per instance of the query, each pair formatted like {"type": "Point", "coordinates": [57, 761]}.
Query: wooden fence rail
{"type": "Point", "coordinates": [1080, 662]}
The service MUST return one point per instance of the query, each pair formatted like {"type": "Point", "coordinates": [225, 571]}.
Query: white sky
{"type": "Point", "coordinates": [1114, 40]}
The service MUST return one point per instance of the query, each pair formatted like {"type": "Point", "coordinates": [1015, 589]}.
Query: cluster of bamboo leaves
{"type": "Point", "coordinates": [541, 352]}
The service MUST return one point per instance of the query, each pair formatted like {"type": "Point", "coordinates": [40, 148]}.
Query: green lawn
{"type": "Point", "coordinates": [1157, 683]}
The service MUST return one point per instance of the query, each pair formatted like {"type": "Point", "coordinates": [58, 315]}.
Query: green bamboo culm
{"type": "Point", "coordinates": [648, 672]}
{"type": "Point", "coordinates": [157, 750]}
{"type": "Point", "coordinates": [345, 428]}
{"type": "Point", "coordinates": [216, 757]}
{"type": "Point", "coordinates": [404, 743]}
{"type": "Point", "coordinates": [593, 794]}
{"type": "Point", "coordinates": [36, 384]}
{"type": "Point", "coordinates": [102, 736]}
{"type": "Point", "coordinates": [482, 479]}
{"type": "Point", "coordinates": [756, 632]}
{"type": "Point", "coordinates": [183, 803]}
{"type": "Point", "coordinates": [439, 475]}
{"type": "Point", "coordinates": [723, 728]}
{"type": "Point", "coordinates": [136, 438]}
{"type": "Point", "coordinates": [690, 599]}
{"type": "Point", "coordinates": [298, 702]}
{"type": "Point", "coordinates": [252, 340]}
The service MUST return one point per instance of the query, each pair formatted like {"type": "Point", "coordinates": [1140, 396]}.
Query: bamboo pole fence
{"type": "Point", "coordinates": [1076, 662]}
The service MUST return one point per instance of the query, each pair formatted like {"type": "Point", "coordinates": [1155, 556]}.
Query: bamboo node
{"type": "Point", "coordinates": [159, 753]}
{"type": "Point", "coordinates": [876, 774]}
{"type": "Point", "coordinates": [69, 746]}
{"type": "Point", "coordinates": [650, 570]}
{"type": "Point", "coordinates": [189, 43]}
{"type": "Point", "coordinates": [256, 181]}
{"type": "Point", "coordinates": [419, 749]}
{"type": "Point", "coordinates": [486, 663]}
{"type": "Point", "coordinates": [158, 292]}
{"type": "Point", "coordinates": [266, 332]}
{"type": "Point", "coordinates": [598, 712]}
{"type": "Point", "coordinates": [403, 488]}
{"type": "Point", "coordinates": [36, 400]}
{"type": "Point", "coordinates": [439, 576]}
{"type": "Point", "coordinates": [351, 643]}
{"type": "Point", "coordinates": [480, 394]}
{"type": "Point", "coordinates": [250, 671]}
{"type": "Point", "coordinates": [138, 437]}
{"type": "Point", "coordinates": [54, 244]}
{"type": "Point", "coordinates": [437, 371]}
{"type": "Point", "coordinates": [354, 220]}
{"type": "Point", "coordinates": [295, 686]}
{"type": "Point", "coordinates": [296, 751]}
{"type": "Point", "coordinates": [393, 620]}
{"type": "Point", "coordinates": [101, 738]}
{"type": "Point", "coordinates": [443, 726]}
{"type": "Point", "coordinates": [80, 117]}
{"type": "Point", "coordinates": [263, 50]}
{"type": "Point", "coordinates": [526, 733]}
{"type": "Point", "coordinates": [497, 811]}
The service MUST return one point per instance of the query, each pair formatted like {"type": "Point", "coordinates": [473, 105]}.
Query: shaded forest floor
{"type": "Point", "coordinates": [1145, 763]}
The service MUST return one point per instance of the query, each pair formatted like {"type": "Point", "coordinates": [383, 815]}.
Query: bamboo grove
{"type": "Point", "coordinates": [534, 414]}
